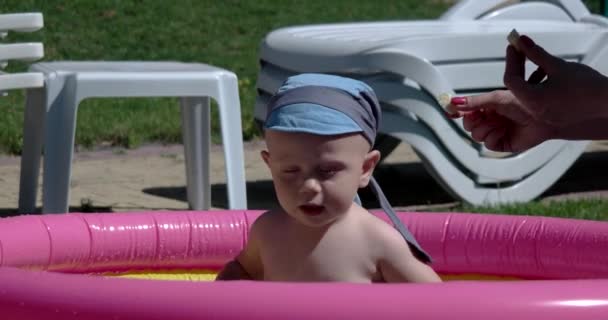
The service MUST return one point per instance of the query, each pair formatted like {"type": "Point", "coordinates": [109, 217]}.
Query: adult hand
{"type": "Point", "coordinates": [571, 103]}
{"type": "Point", "coordinates": [572, 92]}
{"type": "Point", "coordinates": [502, 123]}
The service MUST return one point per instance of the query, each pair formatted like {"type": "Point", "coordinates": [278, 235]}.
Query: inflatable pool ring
{"type": "Point", "coordinates": [73, 266]}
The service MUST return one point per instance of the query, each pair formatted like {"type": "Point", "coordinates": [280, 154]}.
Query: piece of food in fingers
{"type": "Point", "coordinates": [444, 101]}
{"type": "Point", "coordinates": [513, 39]}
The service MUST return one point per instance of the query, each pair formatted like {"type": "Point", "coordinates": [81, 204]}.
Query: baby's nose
{"type": "Point", "coordinates": [311, 185]}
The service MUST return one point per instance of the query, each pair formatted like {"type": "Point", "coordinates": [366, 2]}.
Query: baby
{"type": "Point", "coordinates": [319, 132]}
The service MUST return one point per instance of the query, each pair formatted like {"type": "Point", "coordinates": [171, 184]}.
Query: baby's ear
{"type": "Point", "coordinates": [369, 164]}
{"type": "Point", "coordinates": [265, 156]}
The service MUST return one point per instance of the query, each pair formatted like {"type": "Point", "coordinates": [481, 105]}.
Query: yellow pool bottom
{"type": "Point", "coordinates": [209, 275]}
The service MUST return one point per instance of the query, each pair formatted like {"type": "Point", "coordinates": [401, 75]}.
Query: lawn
{"type": "Point", "coordinates": [588, 209]}
{"type": "Point", "coordinates": [223, 33]}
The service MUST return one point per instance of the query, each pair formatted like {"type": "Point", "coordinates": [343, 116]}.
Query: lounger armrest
{"type": "Point", "coordinates": [474, 9]}
{"type": "Point", "coordinates": [529, 11]}
{"type": "Point", "coordinates": [398, 61]}
{"type": "Point", "coordinates": [575, 8]}
{"type": "Point", "coordinates": [471, 9]}
{"type": "Point", "coordinates": [595, 19]}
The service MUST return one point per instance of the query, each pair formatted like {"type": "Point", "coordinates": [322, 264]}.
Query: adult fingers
{"type": "Point", "coordinates": [538, 55]}
{"type": "Point", "coordinates": [480, 132]}
{"type": "Point", "coordinates": [490, 100]}
{"type": "Point", "coordinates": [495, 139]}
{"type": "Point", "coordinates": [452, 111]}
{"type": "Point", "coordinates": [471, 120]}
{"type": "Point", "coordinates": [515, 70]}
{"type": "Point", "coordinates": [537, 76]}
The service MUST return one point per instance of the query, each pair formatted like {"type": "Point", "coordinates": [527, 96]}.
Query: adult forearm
{"type": "Point", "coordinates": [595, 129]}
{"type": "Point", "coordinates": [598, 96]}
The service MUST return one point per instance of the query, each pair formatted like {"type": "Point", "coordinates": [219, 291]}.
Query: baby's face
{"type": "Point", "coordinates": [316, 177]}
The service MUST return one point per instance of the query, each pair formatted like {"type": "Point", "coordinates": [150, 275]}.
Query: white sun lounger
{"type": "Point", "coordinates": [410, 63]}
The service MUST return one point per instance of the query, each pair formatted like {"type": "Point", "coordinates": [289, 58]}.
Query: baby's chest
{"type": "Point", "coordinates": [318, 263]}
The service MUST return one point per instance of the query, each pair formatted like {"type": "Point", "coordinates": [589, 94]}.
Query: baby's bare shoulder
{"type": "Point", "coordinates": [378, 227]}
{"type": "Point", "coordinates": [396, 261]}
{"type": "Point", "coordinates": [383, 235]}
{"type": "Point", "coordinates": [268, 219]}
{"type": "Point", "coordinates": [267, 223]}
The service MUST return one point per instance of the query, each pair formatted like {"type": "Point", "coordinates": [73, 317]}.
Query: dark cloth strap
{"type": "Point", "coordinates": [405, 233]}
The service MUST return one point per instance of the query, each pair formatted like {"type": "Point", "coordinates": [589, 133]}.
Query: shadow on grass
{"type": "Point", "coordinates": [588, 174]}
{"type": "Point", "coordinates": [404, 185]}
{"type": "Point", "coordinates": [260, 195]}
{"type": "Point", "coordinates": [12, 212]}
{"type": "Point", "coordinates": [409, 184]}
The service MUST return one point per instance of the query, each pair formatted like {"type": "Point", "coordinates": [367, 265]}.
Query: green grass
{"type": "Point", "coordinates": [588, 209]}
{"type": "Point", "coordinates": [222, 33]}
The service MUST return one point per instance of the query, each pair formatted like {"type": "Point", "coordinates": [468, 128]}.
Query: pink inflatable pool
{"type": "Point", "coordinates": [46, 264]}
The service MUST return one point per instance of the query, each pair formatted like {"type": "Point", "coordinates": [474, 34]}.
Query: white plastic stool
{"type": "Point", "coordinates": [50, 122]}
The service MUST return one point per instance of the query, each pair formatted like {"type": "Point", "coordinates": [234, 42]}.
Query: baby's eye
{"type": "Point", "coordinates": [328, 172]}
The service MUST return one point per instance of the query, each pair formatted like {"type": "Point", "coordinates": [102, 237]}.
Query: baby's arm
{"type": "Point", "coordinates": [233, 270]}
{"type": "Point", "coordinates": [398, 263]}
{"type": "Point", "coordinates": [248, 264]}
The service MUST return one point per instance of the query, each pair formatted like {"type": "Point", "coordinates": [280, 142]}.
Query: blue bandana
{"type": "Point", "coordinates": [331, 105]}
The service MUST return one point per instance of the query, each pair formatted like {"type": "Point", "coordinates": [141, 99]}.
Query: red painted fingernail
{"type": "Point", "coordinates": [526, 42]}
{"type": "Point", "coordinates": [458, 100]}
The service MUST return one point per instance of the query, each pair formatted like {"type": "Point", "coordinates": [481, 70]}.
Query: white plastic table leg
{"type": "Point", "coordinates": [196, 133]}
{"type": "Point", "coordinates": [59, 147]}
{"type": "Point", "coordinates": [230, 121]}
{"type": "Point", "coordinates": [34, 119]}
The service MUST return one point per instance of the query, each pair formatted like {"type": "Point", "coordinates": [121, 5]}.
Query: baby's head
{"type": "Point", "coordinates": [319, 132]}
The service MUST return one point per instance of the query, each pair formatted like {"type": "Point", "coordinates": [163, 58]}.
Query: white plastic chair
{"type": "Point", "coordinates": [20, 22]}
{"type": "Point", "coordinates": [410, 63]}
{"type": "Point", "coordinates": [50, 123]}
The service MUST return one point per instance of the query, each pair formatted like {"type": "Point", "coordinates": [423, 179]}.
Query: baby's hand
{"type": "Point", "coordinates": [233, 270]}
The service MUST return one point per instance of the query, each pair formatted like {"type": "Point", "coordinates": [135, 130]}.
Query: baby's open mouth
{"type": "Point", "coordinates": [312, 210]}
